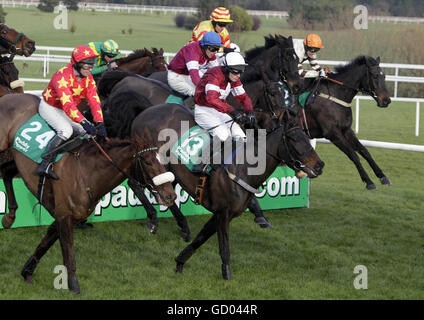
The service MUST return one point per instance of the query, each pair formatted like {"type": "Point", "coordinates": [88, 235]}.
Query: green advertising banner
{"type": "Point", "coordinates": [281, 190]}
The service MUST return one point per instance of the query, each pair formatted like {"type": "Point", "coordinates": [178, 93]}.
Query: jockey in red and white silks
{"type": "Point", "coordinates": [211, 111]}
{"type": "Point", "coordinates": [184, 69]}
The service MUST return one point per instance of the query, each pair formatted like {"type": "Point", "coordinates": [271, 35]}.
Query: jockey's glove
{"type": "Point", "coordinates": [88, 127]}
{"type": "Point", "coordinates": [322, 73]}
{"type": "Point", "coordinates": [250, 118]}
{"type": "Point", "coordinates": [237, 116]}
{"type": "Point", "coordinates": [101, 130]}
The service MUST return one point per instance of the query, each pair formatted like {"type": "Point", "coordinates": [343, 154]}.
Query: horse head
{"type": "Point", "coordinates": [295, 149]}
{"type": "Point", "coordinates": [14, 42]}
{"type": "Point", "coordinates": [158, 60]}
{"type": "Point", "coordinates": [153, 172]}
{"type": "Point", "coordinates": [288, 64]}
{"type": "Point", "coordinates": [375, 84]}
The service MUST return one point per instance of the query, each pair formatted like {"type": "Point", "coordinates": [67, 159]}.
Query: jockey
{"type": "Point", "coordinates": [232, 48]}
{"type": "Point", "coordinates": [219, 18]}
{"type": "Point", "coordinates": [58, 105]}
{"type": "Point", "coordinates": [184, 69]}
{"type": "Point", "coordinates": [306, 50]}
{"type": "Point", "coordinates": [107, 54]}
{"type": "Point", "coordinates": [211, 110]}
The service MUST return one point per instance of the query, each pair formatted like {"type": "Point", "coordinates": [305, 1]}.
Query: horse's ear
{"type": "Point", "coordinates": [378, 60]}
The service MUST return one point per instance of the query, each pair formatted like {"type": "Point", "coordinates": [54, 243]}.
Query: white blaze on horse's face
{"type": "Point", "coordinates": [159, 158]}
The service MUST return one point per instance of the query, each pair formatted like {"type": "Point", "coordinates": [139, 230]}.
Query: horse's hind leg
{"type": "Point", "coordinates": [8, 171]}
{"type": "Point", "coordinates": [357, 145]}
{"type": "Point", "coordinates": [340, 141]}
{"type": "Point", "coordinates": [182, 222]}
{"type": "Point", "coordinates": [207, 231]}
{"type": "Point", "coordinates": [49, 239]}
{"type": "Point", "coordinates": [223, 231]}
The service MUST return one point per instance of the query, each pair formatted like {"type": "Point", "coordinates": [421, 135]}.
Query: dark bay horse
{"type": "Point", "coordinates": [86, 174]}
{"type": "Point", "coordinates": [332, 118]}
{"type": "Point", "coordinates": [223, 196]}
{"type": "Point", "coordinates": [12, 42]}
{"type": "Point", "coordinates": [143, 62]}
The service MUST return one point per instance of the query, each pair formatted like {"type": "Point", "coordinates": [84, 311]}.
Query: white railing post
{"type": "Point", "coordinates": [357, 116]}
{"type": "Point", "coordinates": [417, 120]}
{"type": "Point", "coordinates": [396, 83]}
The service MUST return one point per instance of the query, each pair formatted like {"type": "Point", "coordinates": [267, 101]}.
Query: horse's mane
{"type": "Point", "coordinates": [358, 61]}
{"type": "Point", "coordinates": [136, 54]}
{"type": "Point", "coordinates": [90, 149]}
{"type": "Point", "coordinates": [270, 41]}
{"type": "Point", "coordinates": [109, 79]}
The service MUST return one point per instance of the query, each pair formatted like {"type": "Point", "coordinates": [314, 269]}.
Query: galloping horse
{"type": "Point", "coordinates": [328, 112]}
{"type": "Point", "coordinates": [143, 62]}
{"type": "Point", "coordinates": [86, 174]}
{"type": "Point", "coordinates": [225, 198]}
{"type": "Point", "coordinates": [12, 42]}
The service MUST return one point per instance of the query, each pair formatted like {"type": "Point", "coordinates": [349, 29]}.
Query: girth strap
{"type": "Point", "coordinates": [241, 182]}
{"type": "Point", "coordinates": [334, 99]}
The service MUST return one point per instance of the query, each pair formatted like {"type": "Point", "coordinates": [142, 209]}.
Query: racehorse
{"type": "Point", "coordinates": [86, 174]}
{"type": "Point", "coordinates": [225, 198]}
{"type": "Point", "coordinates": [328, 112]}
{"type": "Point", "coordinates": [143, 62]}
{"type": "Point", "coordinates": [12, 42]}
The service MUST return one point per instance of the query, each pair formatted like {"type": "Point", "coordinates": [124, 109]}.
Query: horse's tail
{"type": "Point", "coordinates": [119, 111]}
{"type": "Point", "coordinates": [109, 80]}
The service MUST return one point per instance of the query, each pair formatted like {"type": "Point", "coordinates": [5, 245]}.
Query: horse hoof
{"type": "Point", "coordinates": [371, 186]}
{"type": "Point", "coordinates": [185, 236]}
{"type": "Point", "coordinates": [7, 221]}
{"type": "Point", "coordinates": [28, 269]}
{"type": "Point", "coordinates": [384, 180]}
{"type": "Point", "coordinates": [263, 223]}
{"type": "Point", "coordinates": [153, 228]}
{"type": "Point", "coordinates": [179, 268]}
{"type": "Point", "coordinates": [73, 285]}
{"type": "Point", "coordinates": [226, 272]}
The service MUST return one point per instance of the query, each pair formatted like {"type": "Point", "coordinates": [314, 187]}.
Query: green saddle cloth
{"type": "Point", "coordinates": [190, 145]}
{"type": "Point", "coordinates": [33, 137]}
{"type": "Point", "coordinates": [174, 99]}
{"type": "Point", "coordinates": [303, 98]}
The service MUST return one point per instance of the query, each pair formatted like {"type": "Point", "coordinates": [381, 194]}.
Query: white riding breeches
{"type": "Point", "coordinates": [59, 121]}
{"type": "Point", "coordinates": [222, 124]}
{"type": "Point", "coordinates": [181, 83]}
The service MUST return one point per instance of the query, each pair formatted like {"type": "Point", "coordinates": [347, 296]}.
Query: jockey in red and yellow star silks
{"type": "Point", "coordinates": [60, 99]}
{"type": "Point", "coordinates": [219, 18]}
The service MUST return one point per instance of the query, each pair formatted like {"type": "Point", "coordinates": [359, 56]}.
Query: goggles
{"type": "Point", "coordinates": [312, 49]}
{"type": "Point", "coordinates": [110, 55]}
{"type": "Point", "coordinates": [222, 24]}
{"type": "Point", "coordinates": [87, 66]}
{"type": "Point", "coordinates": [236, 70]}
{"type": "Point", "coordinates": [213, 48]}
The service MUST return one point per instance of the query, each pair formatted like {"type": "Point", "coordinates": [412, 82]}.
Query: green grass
{"type": "Point", "coordinates": [309, 254]}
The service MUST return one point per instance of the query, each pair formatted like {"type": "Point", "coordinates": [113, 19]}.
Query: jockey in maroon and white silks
{"type": "Point", "coordinates": [212, 112]}
{"type": "Point", "coordinates": [184, 71]}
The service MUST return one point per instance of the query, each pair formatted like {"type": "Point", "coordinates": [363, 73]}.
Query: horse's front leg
{"type": "Point", "coordinates": [49, 239]}
{"type": "Point", "coordinates": [152, 225]}
{"type": "Point", "coordinates": [223, 231]}
{"type": "Point", "coordinates": [8, 171]}
{"type": "Point", "coordinates": [207, 231]}
{"type": "Point", "coordinates": [340, 141]}
{"type": "Point", "coordinates": [357, 145]}
{"type": "Point", "coordinates": [181, 221]}
{"type": "Point", "coordinates": [66, 237]}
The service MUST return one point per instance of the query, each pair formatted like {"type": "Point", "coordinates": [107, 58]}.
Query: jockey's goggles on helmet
{"type": "Point", "coordinates": [213, 48]}
{"type": "Point", "coordinates": [88, 61]}
{"type": "Point", "coordinates": [236, 69]}
{"type": "Point", "coordinates": [110, 55]}
{"type": "Point", "coordinates": [222, 24]}
{"type": "Point", "coordinates": [312, 49]}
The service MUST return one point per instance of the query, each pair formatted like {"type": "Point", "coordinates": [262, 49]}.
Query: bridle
{"type": "Point", "coordinates": [11, 46]}
{"type": "Point", "coordinates": [281, 74]}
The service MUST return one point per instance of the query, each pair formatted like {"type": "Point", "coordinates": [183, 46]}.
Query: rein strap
{"type": "Point", "coordinates": [241, 182]}
{"type": "Point", "coordinates": [334, 99]}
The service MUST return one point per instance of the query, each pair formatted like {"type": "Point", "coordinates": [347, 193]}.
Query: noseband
{"type": "Point", "coordinates": [11, 47]}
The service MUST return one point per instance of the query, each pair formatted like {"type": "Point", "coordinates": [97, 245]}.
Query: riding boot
{"type": "Point", "coordinates": [205, 168]}
{"type": "Point", "coordinates": [189, 102]}
{"type": "Point", "coordinates": [46, 166]}
{"type": "Point", "coordinates": [255, 208]}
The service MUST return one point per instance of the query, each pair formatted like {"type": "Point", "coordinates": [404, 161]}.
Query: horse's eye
{"type": "Point", "coordinates": [148, 163]}
{"type": "Point", "coordinates": [4, 32]}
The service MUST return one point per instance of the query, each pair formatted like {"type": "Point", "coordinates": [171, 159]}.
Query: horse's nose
{"type": "Point", "coordinates": [318, 167]}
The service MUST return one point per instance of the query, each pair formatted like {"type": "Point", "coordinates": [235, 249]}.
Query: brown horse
{"type": "Point", "coordinates": [227, 192]}
{"type": "Point", "coordinates": [14, 42]}
{"type": "Point", "coordinates": [9, 77]}
{"type": "Point", "coordinates": [86, 174]}
{"type": "Point", "coordinates": [143, 62]}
